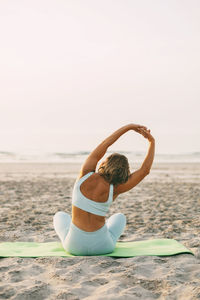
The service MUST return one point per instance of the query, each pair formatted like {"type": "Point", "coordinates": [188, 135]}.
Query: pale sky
{"type": "Point", "coordinates": [72, 72]}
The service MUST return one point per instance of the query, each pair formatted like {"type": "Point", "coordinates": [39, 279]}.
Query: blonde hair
{"type": "Point", "coordinates": [115, 169]}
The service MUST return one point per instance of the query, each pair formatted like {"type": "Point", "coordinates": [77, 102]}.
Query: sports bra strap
{"type": "Point", "coordinates": [83, 178]}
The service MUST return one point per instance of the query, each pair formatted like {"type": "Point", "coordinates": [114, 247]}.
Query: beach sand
{"type": "Point", "coordinates": [166, 204]}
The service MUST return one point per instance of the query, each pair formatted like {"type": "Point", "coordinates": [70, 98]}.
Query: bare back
{"type": "Point", "coordinates": [96, 189]}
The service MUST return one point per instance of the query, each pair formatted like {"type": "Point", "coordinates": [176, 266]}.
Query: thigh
{"type": "Point", "coordinates": [116, 225]}
{"type": "Point", "coordinates": [61, 222]}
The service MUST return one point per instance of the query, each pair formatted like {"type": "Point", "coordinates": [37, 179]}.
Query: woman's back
{"type": "Point", "coordinates": [96, 189]}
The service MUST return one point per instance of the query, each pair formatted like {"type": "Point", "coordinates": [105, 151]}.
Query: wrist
{"type": "Point", "coordinates": [131, 126]}
{"type": "Point", "coordinates": [128, 127]}
{"type": "Point", "coordinates": [151, 140]}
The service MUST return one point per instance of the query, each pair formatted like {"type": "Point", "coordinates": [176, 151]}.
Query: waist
{"type": "Point", "coordinates": [85, 220]}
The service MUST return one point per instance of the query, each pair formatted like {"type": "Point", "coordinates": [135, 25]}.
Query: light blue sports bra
{"type": "Point", "coordinates": [80, 201]}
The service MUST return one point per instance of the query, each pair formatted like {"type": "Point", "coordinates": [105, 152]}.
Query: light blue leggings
{"type": "Point", "coordinates": [80, 242]}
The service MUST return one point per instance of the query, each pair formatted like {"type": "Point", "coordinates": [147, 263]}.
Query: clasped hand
{"type": "Point", "coordinates": [143, 131]}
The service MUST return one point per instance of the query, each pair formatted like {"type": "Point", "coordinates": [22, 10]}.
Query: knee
{"type": "Point", "coordinates": [61, 215]}
{"type": "Point", "coordinates": [58, 214]}
{"type": "Point", "coordinates": [121, 217]}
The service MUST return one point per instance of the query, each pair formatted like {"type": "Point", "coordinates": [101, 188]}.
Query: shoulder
{"type": "Point", "coordinates": [84, 173]}
{"type": "Point", "coordinates": [95, 181]}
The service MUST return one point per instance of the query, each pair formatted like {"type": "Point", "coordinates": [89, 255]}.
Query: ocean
{"type": "Point", "coordinates": [80, 156]}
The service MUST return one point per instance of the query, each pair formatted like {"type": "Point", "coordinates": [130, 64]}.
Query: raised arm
{"type": "Point", "coordinates": [93, 158]}
{"type": "Point", "coordinates": [144, 170]}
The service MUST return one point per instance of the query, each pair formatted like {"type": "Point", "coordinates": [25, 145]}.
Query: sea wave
{"type": "Point", "coordinates": [80, 156]}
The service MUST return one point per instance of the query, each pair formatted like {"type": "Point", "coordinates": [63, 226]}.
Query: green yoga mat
{"type": "Point", "coordinates": [157, 247]}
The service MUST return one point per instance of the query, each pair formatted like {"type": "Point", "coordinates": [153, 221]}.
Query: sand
{"type": "Point", "coordinates": [166, 204]}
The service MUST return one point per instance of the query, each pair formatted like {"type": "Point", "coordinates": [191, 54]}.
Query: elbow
{"type": "Point", "coordinates": [146, 171]}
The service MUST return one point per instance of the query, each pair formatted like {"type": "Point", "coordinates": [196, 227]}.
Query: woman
{"type": "Point", "coordinates": [88, 233]}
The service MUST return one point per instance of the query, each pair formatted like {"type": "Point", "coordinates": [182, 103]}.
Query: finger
{"type": "Point", "coordinates": [144, 133]}
{"type": "Point", "coordinates": [141, 126]}
{"type": "Point", "coordinates": [143, 129]}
